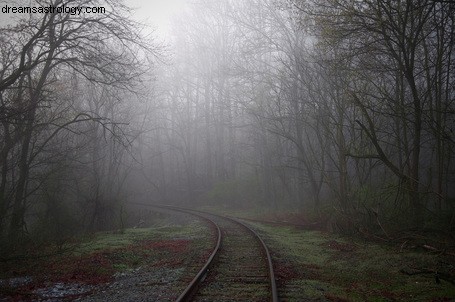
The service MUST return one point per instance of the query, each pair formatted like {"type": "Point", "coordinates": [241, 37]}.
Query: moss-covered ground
{"type": "Point", "coordinates": [313, 265]}
{"type": "Point", "coordinates": [320, 266]}
{"type": "Point", "coordinates": [310, 265]}
{"type": "Point", "coordinates": [97, 258]}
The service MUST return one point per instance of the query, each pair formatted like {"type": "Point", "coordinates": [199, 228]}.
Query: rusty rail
{"type": "Point", "coordinates": [269, 259]}
{"type": "Point", "coordinates": [192, 286]}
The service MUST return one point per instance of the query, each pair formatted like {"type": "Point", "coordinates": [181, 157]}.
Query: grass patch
{"type": "Point", "coordinates": [115, 240]}
{"type": "Point", "coordinates": [340, 268]}
{"type": "Point", "coordinates": [96, 259]}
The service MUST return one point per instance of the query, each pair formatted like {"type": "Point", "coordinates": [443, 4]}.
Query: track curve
{"type": "Point", "coordinates": [239, 272]}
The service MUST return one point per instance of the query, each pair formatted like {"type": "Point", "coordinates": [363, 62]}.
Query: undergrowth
{"type": "Point", "coordinates": [327, 266]}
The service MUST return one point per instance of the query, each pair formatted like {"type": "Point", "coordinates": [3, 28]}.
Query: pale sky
{"type": "Point", "coordinates": [157, 12]}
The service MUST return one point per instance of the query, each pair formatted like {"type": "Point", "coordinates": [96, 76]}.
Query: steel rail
{"type": "Point", "coordinates": [191, 288]}
{"type": "Point", "coordinates": [269, 259]}
{"type": "Point", "coordinates": [272, 280]}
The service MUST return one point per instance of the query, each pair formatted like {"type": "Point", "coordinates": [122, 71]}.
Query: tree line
{"type": "Point", "coordinates": [65, 84]}
{"type": "Point", "coordinates": [341, 109]}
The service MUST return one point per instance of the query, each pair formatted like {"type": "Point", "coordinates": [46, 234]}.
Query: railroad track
{"type": "Point", "coordinates": [239, 268]}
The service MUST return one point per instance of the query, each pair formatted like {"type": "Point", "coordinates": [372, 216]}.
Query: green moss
{"type": "Point", "coordinates": [115, 240]}
{"type": "Point", "coordinates": [120, 267]}
{"type": "Point", "coordinates": [235, 193]}
{"type": "Point", "coordinates": [334, 267]}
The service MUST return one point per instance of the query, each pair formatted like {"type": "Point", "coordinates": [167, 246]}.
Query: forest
{"type": "Point", "coordinates": [341, 110]}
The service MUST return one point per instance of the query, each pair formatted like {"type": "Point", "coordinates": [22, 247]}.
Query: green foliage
{"type": "Point", "coordinates": [114, 240]}
{"type": "Point", "coordinates": [339, 267]}
{"type": "Point", "coordinates": [116, 251]}
{"type": "Point", "coordinates": [56, 222]}
{"type": "Point", "coordinates": [237, 192]}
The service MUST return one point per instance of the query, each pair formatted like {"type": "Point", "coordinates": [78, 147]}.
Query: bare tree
{"type": "Point", "coordinates": [105, 49]}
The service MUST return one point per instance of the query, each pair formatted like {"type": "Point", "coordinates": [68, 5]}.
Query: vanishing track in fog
{"type": "Point", "coordinates": [239, 268]}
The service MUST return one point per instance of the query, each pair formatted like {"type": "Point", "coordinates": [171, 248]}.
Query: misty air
{"type": "Point", "coordinates": [227, 150]}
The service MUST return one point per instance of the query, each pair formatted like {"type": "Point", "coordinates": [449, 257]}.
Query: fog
{"type": "Point", "coordinates": [327, 108]}
{"type": "Point", "coordinates": [158, 15]}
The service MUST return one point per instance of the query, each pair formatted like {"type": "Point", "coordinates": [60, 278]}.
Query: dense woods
{"type": "Point", "coordinates": [65, 82]}
{"type": "Point", "coordinates": [341, 109]}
